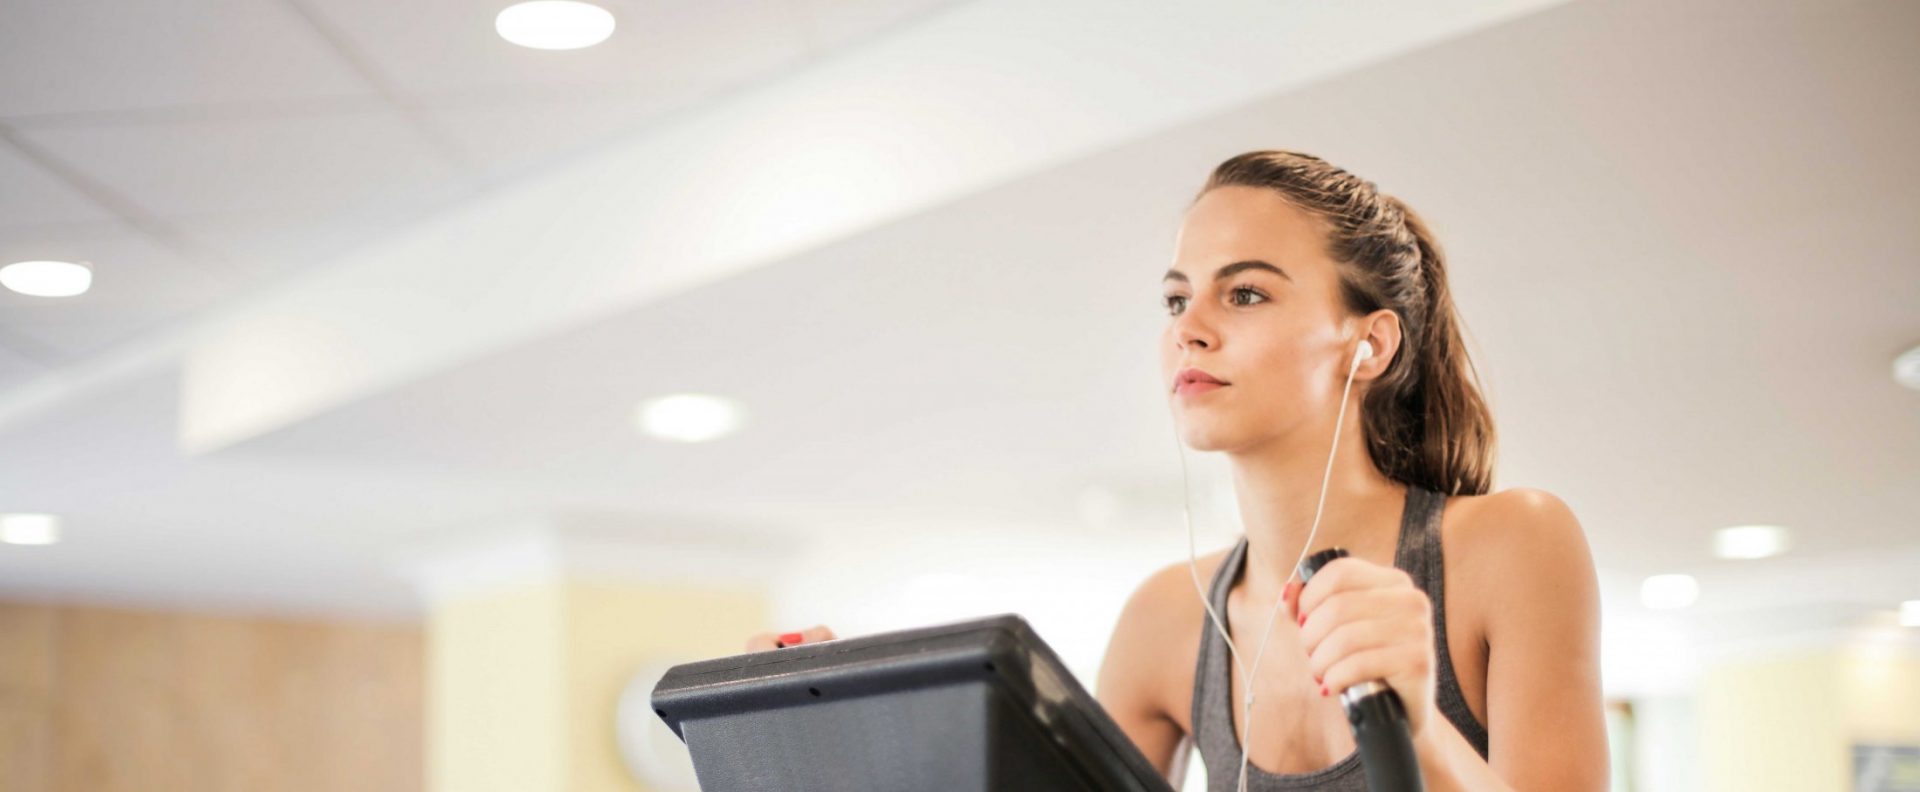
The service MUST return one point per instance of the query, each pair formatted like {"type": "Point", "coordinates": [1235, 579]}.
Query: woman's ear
{"type": "Point", "coordinates": [1381, 330]}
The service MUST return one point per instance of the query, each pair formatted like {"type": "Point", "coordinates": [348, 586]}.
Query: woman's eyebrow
{"type": "Point", "coordinates": [1229, 270]}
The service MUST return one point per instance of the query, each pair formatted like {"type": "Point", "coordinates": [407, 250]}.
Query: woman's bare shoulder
{"type": "Point", "coordinates": [1157, 638]}
{"type": "Point", "coordinates": [1502, 520]}
{"type": "Point", "coordinates": [1172, 594]}
{"type": "Point", "coordinates": [1504, 543]}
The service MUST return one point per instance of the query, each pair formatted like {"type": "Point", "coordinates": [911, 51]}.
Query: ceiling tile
{"type": "Point", "coordinates": [316, 163]}
{"type": "Point", "coordinates": [267, 244]}
{"type": "Point", "coordinates": [657, 46]}
{"type": "Point", "coordinates": [16, 369]}
{"type": "Point", "coordinates": [508, 138]}
{"type": "Point", "coordinates": [30, 196]}
{"type": "Point", "coordinates": [95, 55]}
{"type": "Point", "coordinates": [836, 23]}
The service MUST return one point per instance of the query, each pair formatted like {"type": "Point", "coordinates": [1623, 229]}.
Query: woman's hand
{"type": "Point", "coordinates": [1361, 621]}
{"type": "Point", "coordinates": [764, 641]}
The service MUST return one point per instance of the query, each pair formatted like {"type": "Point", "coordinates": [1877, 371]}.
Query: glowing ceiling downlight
{"type": "Point", "coordinates": [29, 529]}
{"type": "Point", "coordinates": [554, 24]}
{"type": "Point", "coordinates": [1669, 592]}
{"type": "Point", "coordinates": [47, 278]}
{"type": "Point", "coordinates": [1750, 541]}
{"type": "Point", "coordinates": [689, 417]}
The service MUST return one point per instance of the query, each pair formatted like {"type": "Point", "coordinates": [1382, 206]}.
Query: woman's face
{"type": "Point", "coordinates": [1275, 338]}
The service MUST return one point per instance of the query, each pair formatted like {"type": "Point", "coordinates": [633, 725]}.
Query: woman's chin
{"type": "Point", "coordinates": [1204, 439]}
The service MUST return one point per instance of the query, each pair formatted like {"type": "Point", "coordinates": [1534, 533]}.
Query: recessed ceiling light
{"type": "Point", "coordinates": [554, 24]}
{"type": "Point", "coordinates": [1669, 592]}
{"type": "Point", "coordinates": [689, 417]}
{"type": "Point", "coordinates": [1750, 541]}
{"type": "Point", "coordinates": [1906, 368]}
{"type": "Point", "coordinates": [47, 278]}
{"type": "Point", "coordinates": [29, 529]}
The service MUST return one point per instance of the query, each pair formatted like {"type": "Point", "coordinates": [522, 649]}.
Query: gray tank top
{"type": "Point", "coordinates": [1418, 554]}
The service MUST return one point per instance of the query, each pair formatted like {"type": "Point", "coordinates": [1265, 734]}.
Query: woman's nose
{"type": "Point", "coordinates": [1190, 330]}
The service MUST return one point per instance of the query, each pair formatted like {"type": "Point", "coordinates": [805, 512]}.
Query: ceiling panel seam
{"type": "Point", "coordinates": [128, 210]}
{"type": "Point", "coordinates": [442, 143]}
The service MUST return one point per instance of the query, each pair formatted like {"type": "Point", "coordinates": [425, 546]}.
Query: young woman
{"type": "Point", "coordinates": [1480, 610]}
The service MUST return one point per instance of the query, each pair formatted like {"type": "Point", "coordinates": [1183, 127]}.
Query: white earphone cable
{"type": "Point", "coordinates": [1193, 564]}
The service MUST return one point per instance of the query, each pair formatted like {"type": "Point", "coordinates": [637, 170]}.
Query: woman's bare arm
{"type": "Point", "coordinates": [1130, 677]}
{"type": "Point", "coordinates": [1533, 577]}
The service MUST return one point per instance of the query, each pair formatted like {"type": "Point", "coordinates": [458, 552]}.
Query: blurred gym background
{"type": "Point", "coordinates": [428, 382]}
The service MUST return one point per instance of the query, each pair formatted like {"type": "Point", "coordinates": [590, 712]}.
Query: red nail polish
{"type": "Point", "coordinates": [1323, 690]}
{"type": "Point", "coordinates": [1303, 620]}
{"type": "Point", "coordinates": [792, 638]}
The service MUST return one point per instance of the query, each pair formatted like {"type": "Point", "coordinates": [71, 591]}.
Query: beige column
{"type": "Point", "coordinates": [527, 659]}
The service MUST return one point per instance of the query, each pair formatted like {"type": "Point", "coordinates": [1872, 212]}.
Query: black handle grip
{"type": "Point", "coordinates": [1378, 718]}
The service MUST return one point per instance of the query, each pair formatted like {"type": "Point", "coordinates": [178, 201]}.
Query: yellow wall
{"type": "Point", "coordinates": [612, 631]}
{"type": "Point", "coordinates": [496, 673]}
{"type": "Point", "coordinates": [1788, 722]}
{"type": "Point", "coordinates": [1774, 724]}
{"type": "Point", "coordinates": [525, 683]}
{"type": "Point", "coordinates": [1881, 694]}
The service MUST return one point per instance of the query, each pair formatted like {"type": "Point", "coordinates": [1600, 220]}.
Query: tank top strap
{"type": "Point", "coordinates": [1420, 556]}
{"type": "Point", "coordinates": [1205, 693]}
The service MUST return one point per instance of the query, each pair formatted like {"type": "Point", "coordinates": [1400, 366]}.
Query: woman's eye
{"type": "Point", "coordinates": [1176, 303]}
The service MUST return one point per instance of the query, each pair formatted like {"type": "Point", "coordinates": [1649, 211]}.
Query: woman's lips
{"type": "Point", "coordinates": [1197, 387]}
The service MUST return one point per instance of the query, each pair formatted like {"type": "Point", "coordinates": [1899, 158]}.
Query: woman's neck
{"type": "Point", "coordinates": [1278, 489]}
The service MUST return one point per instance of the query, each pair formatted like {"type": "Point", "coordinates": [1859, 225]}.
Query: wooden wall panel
{"type": "Point", "coordinates": [26, 650]}
{"type": "Point", "coordinates": [26, 679]}
{"type": "Point", "coordinates": [105, 700]}
{"type": "Point", "coordinates": [23, 749]}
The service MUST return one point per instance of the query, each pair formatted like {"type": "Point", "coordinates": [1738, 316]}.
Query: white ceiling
{"type": "Point", "coordinates": [1682, 239]}
{"type": "Point", "coordinates": [204, 148]}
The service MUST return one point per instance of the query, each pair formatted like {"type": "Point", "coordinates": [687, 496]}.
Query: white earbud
{"type": "Point", "coordinates": [1365, 351]}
